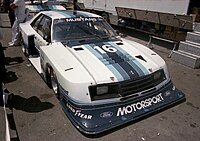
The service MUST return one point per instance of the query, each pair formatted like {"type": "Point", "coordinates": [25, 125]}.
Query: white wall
{"type": "Point", "coordinates": [165, 6]}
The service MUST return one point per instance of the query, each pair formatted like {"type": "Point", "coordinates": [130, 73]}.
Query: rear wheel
{"type": "Point", "coordinates": [54, 83]}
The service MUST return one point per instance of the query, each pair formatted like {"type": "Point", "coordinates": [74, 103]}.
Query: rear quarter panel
{"type": "Point", "coordinates": [26, 30]}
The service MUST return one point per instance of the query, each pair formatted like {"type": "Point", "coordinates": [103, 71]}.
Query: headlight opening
{"type": "Point", "coordinates": [104, 91]}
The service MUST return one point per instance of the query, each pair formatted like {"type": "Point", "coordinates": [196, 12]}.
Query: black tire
{"type": "Point", "coordinates": [54, 83]}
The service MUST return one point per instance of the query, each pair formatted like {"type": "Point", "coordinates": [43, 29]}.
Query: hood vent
{"type": "Point", "coordinates": [119, 43]}
{"type": "Point", "coordinates": [78, 48]}
{"type": "Point", "coordinates": [141, 58]}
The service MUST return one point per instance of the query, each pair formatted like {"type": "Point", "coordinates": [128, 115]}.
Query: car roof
{"type": "Point", "coordinates": [69, 14]}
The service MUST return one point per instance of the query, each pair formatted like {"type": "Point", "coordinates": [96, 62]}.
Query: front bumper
{"type": "Point", "coordinates": [94, 119]}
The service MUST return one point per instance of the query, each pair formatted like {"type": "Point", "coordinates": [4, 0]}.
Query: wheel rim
{"type": "Point", "coordinates": [54, 82]}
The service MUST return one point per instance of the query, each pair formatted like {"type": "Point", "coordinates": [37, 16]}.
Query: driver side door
{"type": "Point", "coordinates": [42, 26]}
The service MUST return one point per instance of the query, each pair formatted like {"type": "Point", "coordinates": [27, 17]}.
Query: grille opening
{"type": "Point", "coordinates": [130, 88]}
{"type": "Point", "coordinates": [78, 48]}
{"type": "Point", "coordinates": [119, 43]}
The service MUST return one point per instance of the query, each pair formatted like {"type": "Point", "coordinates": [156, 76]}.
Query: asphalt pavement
{"type": "Point", "coordinates": [37, 115]}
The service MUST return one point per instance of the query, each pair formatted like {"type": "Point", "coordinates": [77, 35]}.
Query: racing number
{"type": "Point", "coordinates": [105, 48]}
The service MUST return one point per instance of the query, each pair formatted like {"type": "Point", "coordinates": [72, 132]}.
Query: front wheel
{"type": "Point", "coordinates": [54, 83]}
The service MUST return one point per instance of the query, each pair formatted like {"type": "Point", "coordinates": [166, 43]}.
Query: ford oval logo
{"type": "Point", "coordinates": [106, 114]}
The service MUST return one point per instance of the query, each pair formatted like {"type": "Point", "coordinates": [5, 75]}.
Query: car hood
{"type": "Point", "coordinates": [113, 61]}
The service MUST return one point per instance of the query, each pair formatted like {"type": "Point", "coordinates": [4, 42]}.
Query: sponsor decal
{"type": "Point", "coordinates": [139, 105]}
{"type": "Point", "coordinates": [167, 93]}
{"type": "Point", "coordinates": [78, 113]}
{"type": "Point", "coordinates": [131, 72]}
{"type": "Point", "coordinates": [106, 114]}
{"type": "Point", "coordinates": [81, 19]}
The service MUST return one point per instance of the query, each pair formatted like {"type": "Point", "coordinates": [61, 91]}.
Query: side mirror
{"type": "Point", "coordinates": [47, 38]}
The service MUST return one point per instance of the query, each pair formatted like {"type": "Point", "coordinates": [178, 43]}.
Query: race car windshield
{"type": "Point", "coordinates": [81, 28]}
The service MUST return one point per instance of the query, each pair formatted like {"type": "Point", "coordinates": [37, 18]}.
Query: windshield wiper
{"type": "Point", "coordinates": [102, 37]}
{"type": "Point", "coordinates": [93, 33]}
{"type": "Point", "coordinates": [105, 37]}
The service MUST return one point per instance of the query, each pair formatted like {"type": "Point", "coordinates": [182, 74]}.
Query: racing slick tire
{"type": "Point", "coordinates": [54, 83]}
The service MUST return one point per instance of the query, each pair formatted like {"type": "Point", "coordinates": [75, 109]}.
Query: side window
{"type": "Point", "coordinates": [47, 29]}
{"type": "Point", "coordinates": [42, 25]}
{"type": "Point", "coordinates": [35, 23]}
{"type": "Point", "coordinates": [44, 28]}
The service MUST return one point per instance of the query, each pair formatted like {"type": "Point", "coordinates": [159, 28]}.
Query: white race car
{"type": "Point", "coordinates": [101, 80]}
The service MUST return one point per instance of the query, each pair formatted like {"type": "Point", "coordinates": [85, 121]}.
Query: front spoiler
{"type": "Point", "coordinates": [94, 119]}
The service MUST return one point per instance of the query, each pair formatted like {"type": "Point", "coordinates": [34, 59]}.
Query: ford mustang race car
{"type": "Point", "coordinates": [101, 80]}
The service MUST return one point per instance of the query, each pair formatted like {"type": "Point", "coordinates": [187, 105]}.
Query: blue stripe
{"type": "Point", "coordinates": [140, 66]}
{"type": "Point", "coordinates": [65, 14]}
{"type": "Point", "coordinates": [129, 70]}
{"type": "Point", "coordinates": [90, 48]}
{"type": "Point", "coordinates": [73, 14]}
{"type": "Point", "coordinates": [104, 59]}
{"type": "Point", "coordinates": [115, 72]}
{"type": "Point", "coordinates": [121, 60]}
{"type": "Point", "coordinates": [121, 71]}
{"type": "Point", "coordinates": [57, 7]}
{"type": "Point", "coordinates": [118, 48]}
{"type": "Point", "coordinates": [82, 14]}
{"type": "Point", "coordinates": [139, 71]}
{"type": "Point", "coordinates": [34, 8]}
{"type": "Point", "coordinates": [145, 71]}
{"type": "Point", "coordinates": [121, 57]}
{"type": "Point", "coordinates": [120, 63]}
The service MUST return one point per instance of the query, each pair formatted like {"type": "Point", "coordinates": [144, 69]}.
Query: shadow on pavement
{"type": "Point", "coordinates": [10, 77]}
{"type": "Point", "coordinates": [13, 60]}
{"type": "Point", "coordinates": [31, 104]}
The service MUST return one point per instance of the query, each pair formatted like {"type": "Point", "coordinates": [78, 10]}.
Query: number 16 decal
{"type": "Point", "coordinates": [105, 49]}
